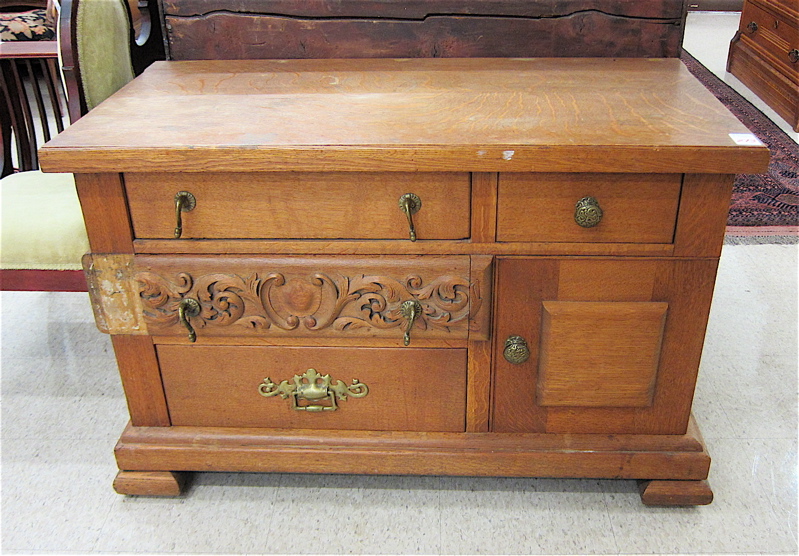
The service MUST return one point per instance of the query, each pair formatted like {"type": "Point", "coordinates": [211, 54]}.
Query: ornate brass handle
{"type": "Point", "coordinates": [587, 212]}
{"type": "Point", "coordinates": [188, 307]}
{"type": "Point", "coordinates": [793, 55]}
{"type": "Point", "coordinates": [516, 350]}
{"type": "Point", "coordinates": [752, 27]}
{"type": "Point", "coordinates": [410, 203]}
{"type": "Point", "coordinates": [410, 310]}
{"type": "Point", "coordinates": [311, 386]}
{"type": "Point", "coordinates": [184, 202]}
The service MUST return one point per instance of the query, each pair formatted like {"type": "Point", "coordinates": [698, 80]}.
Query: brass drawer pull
{"type": "Point", "coordinates": [587, 212]}
{"type": "Point", "coordinates": [184, 202]}
{"type": "Point", "coordinates": [410, 310]}
{"type": "Point", "coordinates": [793, 55]}
{"type": "Point", "coordinates": [188, 307]}
{"type": "Point", "coordinates": [752, 27]}
{"type": "Point", "coordinates": [410, 203]}
{"type": "Point", "coordinates": [313, 387]}
{"type": "Point", "coordinates": [516, 350]}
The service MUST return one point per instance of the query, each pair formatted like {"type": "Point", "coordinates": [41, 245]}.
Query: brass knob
{"type": "Point", "coordinates": [410, 203]}
{"type": "Point", "coordinates": [587, 212]}
{"type": "Point", "coordinates": [793, 55]}
{"type": "Point", "coordinates": [188, 307]}
{"type": "Point", "coordinates": [184, 202]}
{"type": "Point", "coordinates": [410, 310]}
{"type": "Point", "coordinates": [516, 350]}
{"type": "Point", "coordinates": [752, 27]}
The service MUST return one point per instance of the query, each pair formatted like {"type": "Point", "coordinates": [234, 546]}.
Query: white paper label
{"type": "Point", "coordinates": [745, 139]}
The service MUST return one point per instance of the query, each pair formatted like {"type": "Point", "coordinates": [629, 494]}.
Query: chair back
{"type": "Point", "coordinates": [95, 39]}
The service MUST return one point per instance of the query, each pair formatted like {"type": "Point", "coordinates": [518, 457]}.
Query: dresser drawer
{"type": "Point", "coordinates": [300, 205]}
{"type": "Point", "coordinates": [775, 37]}
{"type": "Point", "coordinates": [367, 388]}
{"type": "Point", "coordinates": [312, 297]}
{"type": "Point", "coordinates": [542, 207]}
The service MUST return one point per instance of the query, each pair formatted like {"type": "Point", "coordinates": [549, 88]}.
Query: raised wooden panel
{"type": "Point", "coordinates": [600, 354]}
{"type": "Point", "coordinates": [540, 207]}
{"type": "Point", "coordinates": [408, 389]}
{"type": "Point", "coordinates": [528, 285]}
{"type": "Point", "coordinates": [314, 297]}
{"type": "Point", "coordinates": [300, 205]}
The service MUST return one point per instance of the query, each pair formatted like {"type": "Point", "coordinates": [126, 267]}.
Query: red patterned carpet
{"type": "Point", "coordinates": [762, 204]}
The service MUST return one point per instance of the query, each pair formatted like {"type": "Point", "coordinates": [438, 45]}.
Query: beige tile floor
{"type": "Point", "coordinates": [62, 409]}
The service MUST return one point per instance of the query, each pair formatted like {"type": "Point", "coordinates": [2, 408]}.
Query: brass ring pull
{"type": "Point", "coordinates": [793, 55]}
{"type": "Point", "coordinates": [313, 387]}
{"type": "Point", "coordinates": [587, 212]}
{"type": "Point", "coordinates": [184, 202]}
{"type": "Point", "coordinates": [752, 27]}
{"type": "Point", "coordinates": [188, 307]}
{"type": "Point", "coordinates": [410, 310]}
{"type": "Point", "coordinates": [516, 350]}
{"type": "Point", "coordinates": [410, 203]}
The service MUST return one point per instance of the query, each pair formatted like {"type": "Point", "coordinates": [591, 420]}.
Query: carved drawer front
{"type": "Point", "coordinates": [599, 345]}
{"type": "Point", "coordinates": [597, 208]}
{"type": "Point", "coordinates": [315, 388]}
{"type": "Point", "coordinates": [298, 205]}
{"type": "Point", "coordinates": [402, 298]}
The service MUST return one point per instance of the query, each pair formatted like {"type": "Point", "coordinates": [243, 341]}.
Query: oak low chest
{"type": "Point", "coordinates": [444, 266]}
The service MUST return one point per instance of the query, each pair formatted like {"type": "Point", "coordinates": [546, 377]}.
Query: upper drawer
{"type": "Point", "coordinates": [300, 205]}
{"type": "Point", "coordinates": [634, 208]}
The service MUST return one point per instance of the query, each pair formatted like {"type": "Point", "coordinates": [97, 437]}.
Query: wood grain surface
{"type": "Point", "coordinates": [576, 115]}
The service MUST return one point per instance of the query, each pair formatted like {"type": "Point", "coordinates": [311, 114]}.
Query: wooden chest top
{"type": "Point", "coordinates": [516, 115]}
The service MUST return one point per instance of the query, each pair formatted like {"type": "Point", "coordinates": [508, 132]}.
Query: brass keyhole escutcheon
{"type": "Point", "coordinates": [516, 350]}
{"type": "Point", "coordinates": [410, 203]}
{"type": "Point", "coordinates": [410, 310]}
{"type": "Point", "coordinates": [188, 307]}
{"type": "Point", "coordinates": [587, 212]}
{"type": "Point", "coordinates": [184, 202]}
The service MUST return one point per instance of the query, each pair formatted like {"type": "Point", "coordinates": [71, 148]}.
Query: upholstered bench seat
{"type": "Point", "coordinates": [42, 223]}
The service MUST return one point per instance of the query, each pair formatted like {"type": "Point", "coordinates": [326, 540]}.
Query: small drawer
{"type": "Point", "coordinates": [387, 389]}
{"type": "Point", "coordinates": [623, 208]}
{"type": "Point", "coordinates": [300, 205]}
{"type": "Point", "coordinates": [402, 298]}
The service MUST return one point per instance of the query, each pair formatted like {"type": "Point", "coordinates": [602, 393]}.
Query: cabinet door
{"type": "Point", "coordinates": [614, 345]}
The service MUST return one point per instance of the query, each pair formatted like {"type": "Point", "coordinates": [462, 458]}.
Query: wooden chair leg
{"type": "Point", "coordinates": [675, 493]}
{"type": "Point", "coordinates": [150, 483]}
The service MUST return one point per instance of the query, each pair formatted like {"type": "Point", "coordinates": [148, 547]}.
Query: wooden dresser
{"type": "Point", "coordinates": [465, 266]}
{"type": "Point", "coordinates": [764, 54]}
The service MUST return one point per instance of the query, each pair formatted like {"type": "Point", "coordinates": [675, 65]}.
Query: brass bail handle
{"type": "Point", "coordinates": [188, 307]}
{"type": "Point", "coordinates": [410, 310]}
{"type": "Point", "coordinates": [410, 203]}
{"type": "Point", "coordinates": [587, 212]}
{"type": "Point", "coordinates": [184, 202]}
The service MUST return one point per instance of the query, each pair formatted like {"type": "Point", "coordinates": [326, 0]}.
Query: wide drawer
{"type": "Point", "coordinates": [311, 297]}
{"type": "Point", "coordinates": [315, 388]}
{"type": "Point", "coordinates": [634, 208]}
{"type": "Point", "coordinates": [300, 205]}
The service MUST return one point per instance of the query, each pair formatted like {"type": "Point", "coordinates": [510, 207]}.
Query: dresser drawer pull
{"type": "Point", "coordinates": [184, 202]}
{"type": "Point", "coordinates": [188, 307]}
{"type": "Point", "coordinates": [793, 55]}
{"type": "Point", "coordinates": [587, 212]}
{"type": "Point", "coordinates": [752, 27]}
{"type": "Point", "coordinates": [410, 310]}
{"type": "Point", "coordinates": [313, 387]}
{"type": "Point", "coordinates": [516, 350]}
{"type": "Point", "coordinates": [410, 203]}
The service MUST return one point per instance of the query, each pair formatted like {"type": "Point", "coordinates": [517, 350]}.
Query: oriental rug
{"type": "Point", "coordinates": [764, 207]}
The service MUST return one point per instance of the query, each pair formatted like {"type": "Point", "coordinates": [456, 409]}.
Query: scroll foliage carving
{"type": "Point", "coordinates": [317, 302]}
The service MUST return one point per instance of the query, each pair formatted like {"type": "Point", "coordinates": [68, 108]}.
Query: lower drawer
{"type": "Point", "coordinates": [389, 389]}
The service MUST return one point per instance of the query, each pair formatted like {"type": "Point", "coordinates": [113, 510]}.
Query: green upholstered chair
{"type": "Point", "coordinates": [43, 236]}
